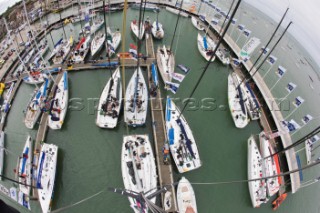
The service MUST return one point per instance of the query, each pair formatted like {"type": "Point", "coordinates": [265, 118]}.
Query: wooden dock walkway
{"type": "Point", "coordinates": [273, 107]}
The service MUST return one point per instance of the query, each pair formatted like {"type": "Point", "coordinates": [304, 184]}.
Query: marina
{"type": "Point", "coordinates": [93, 153]}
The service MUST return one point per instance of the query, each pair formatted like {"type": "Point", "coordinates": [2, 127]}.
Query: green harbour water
{"type": "Point", "coordinates": [89, 157]}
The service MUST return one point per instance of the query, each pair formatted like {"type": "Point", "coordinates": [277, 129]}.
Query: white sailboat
{"type": "Point", "coordinates": [1, 153]}
{"type": "Point", "coordinates": [46, 173]}
{"type": "Point", "coordinates": [81, 50]}
{"type": "Point", "coordinates": [28, 56]}
{"type": "Point", "coordinates": [34, 107]}
{"type": "Point", "coordinates": [257, 189]}
{"type": "Point", "coordinates": [166, 63]}
{"type": "Point", "coordinates": [197, 24]}
{"type": "Point", "coordinates": [110, 102]}
{"type": "Point", "coordinates": [59, 103]}
{"type": "Point", "coordinates": [61, 55]}
{"type": "Point", "coordinates": [113, 39]}
{"type": "Point", "coordinates": [136, 103]}
{"type": "Point", "coordinates": [135, 29]}
{"type": "Point", "coordinates": [97, 43]}
{"type": "Point", "coordinates": [222, 56]}
{"type": "Point", "coordinates": [35, 77]}
{"type": "Point", "coordinates": [182, 144]}
{"type": "Point", "coordinates": [251, 103]}
{"type": "Point", "coordinates": [96, 25]}
{"type": "Point", "coordinates": [56, 48]}
{"type": "Point", "coordinates": [270, 165]}
{"type": "Point", "coordinates": [236, 102]}
{"type": "Point", "coordinates": [25, 166]}
{"type": "Point", "coordinates": [138, 168]}
{"type": "Point", "coordinates": [44, 47]}
{"type": "Point", "coordinates": [185, 197]}
{"type": "Point", "coordinates": [157, 30]}
{"type": "Point", "coordinates": [206, 46]}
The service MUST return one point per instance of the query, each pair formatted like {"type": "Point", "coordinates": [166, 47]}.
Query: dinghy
{"type": "Point", "coordinates": [35, 77]}
{"type": "Point", "coordinates": [309, 146]}
{"type": "Point", "coordinates": [182, 144]}
{"type": "Point", "coordinates": [236, 102]}
{"type": "Point", "coordinates": [1, 153]}
{"type": "Point", "coordinates": [81, 50]}
{"type": "Point", "coordinates": [206, 46]}
{"type": "Point", "coordinates": [61, 55]}
{"type": "Point", "coordinates": [257, 189]}
{"type": "Point", "coordinates": [36, 103]}
{"type": "Point", "coordinates": [252, 104]}
{"type": "Point", "coordinates": [136, 103]}
{"type": "Point", "coordinates": [157, 30]}
{"type": "Point", "coordinates": [46, 173]}
{"type": "Point", "coordinates": [223, 56]}
{"type": "Point", "coordinates": [25, 167]}
{"type": "Point", "coordinates": [97, 43]}
{"type": "Point", "coordinates": [270, 165]}
{"type": "Point", "coordinates": [113, 39]}
{"type": "Point", "coordinates": [197, 24]}
{"type": "Point", "coordinates": [59, 103]}
{"type": "Point", "coordinates": [185, 197]}
{"type": "Point", "coordinates": [166, 63]}
{"type": "Point", "coordinates": [135, 29]}
{"type": "Point", "coordinates": [110, 102]}
{"type": "Point", "coordinates": [138, 169]}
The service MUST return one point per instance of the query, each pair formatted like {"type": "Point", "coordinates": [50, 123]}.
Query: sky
{"type": "Point", "coordinates": [303, 13]}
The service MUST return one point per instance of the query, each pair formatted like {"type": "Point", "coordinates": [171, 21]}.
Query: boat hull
{"type": "Point", "coordinates": [185, 197]}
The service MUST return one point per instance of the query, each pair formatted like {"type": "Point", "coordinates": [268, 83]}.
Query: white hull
{"type": "Point", "coordinates": [61, 55]}
{"type": "Point", "coordinates": [136, 103]}
{"type": "Point", "coordinates": [34, 107]}
{"type": "Point", "coordinates": [97, 43]}
{"type": "Point", "coordinates": [158, 33]}
{"type": "Point", "coordinates": [135, 30]}
{"type": "Point", "coordinates": [238, 112]}
{"type": "Point", "coordinates": [252, 106]}
{"type": "Point", "coordinates": [206, 53]}
{"type": "Point", "coordinates": [46, 173]}
{"type": "Point", "coordinates": [60, 104]}
{"type": "Point", "coordinates": [35, 78]}
{"type": "Point", "coordinates": [80, 54]}
{"type": "Point", "coordinates": [110, 102]}
{"type": "Point", "coordinates": [185, 197]}
{"type": "Point", "coordinates": [269, 167]}
{"type": "Point", "coordinates": [175, 11]}
{"type": "Point", "coordinates": [197, 24]}
{"type": "Point", "coordinates": [96, 26]}
{"type": "Point", "coordinates": [184, 152]}
{"type": "Point", "coordinates": [56, 49]}
{"type": "Point", "coordinates": [166, 63]}
{"type": "Point", "coordinates": [222, 57]}
{"type": "Point", "coordinates": [257, 189]}
{"type": "Point", "coordinates": [138, 168]}
{"type": "Point", "coordinates": [1, 152]}
{"type": "Point", "coordinates": [25, 166]}
{"type": "Point", "coordinates": [114, 43]}
{"type": "Point", "coordinates": [308, 145]}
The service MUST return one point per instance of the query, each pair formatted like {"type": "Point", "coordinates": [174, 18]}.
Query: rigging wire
{"type": "Point", "coordinates": [226, 17]}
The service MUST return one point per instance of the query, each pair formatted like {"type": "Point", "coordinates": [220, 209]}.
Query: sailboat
{"type": "Point", "coordinates": [44, 47]}
{"type": "Point", "coordinates": [96, 25]}
{"type": "Point", "coordinates": [46, 173]}
{"type": "Point", "coordinates": [56, 48]}
{"type": "Point", "coordinates": [270, 165]}
{"type": "Point", "coordinates": [135, 29]}
{"type": "Point", "coordinates": [236, 101]}
{"type": "Point", "coordinates": [35, 77]}
{"type": "Point", "coordinates": [34, 107]}
{"type": "Point", "coordinates": [59, 103]}
{"type": "Point", "coordinates": [223, 56]}
{"type": "Point", "coordinates": [147, 6]}
{"type": "Point", "coordinates": [157, 29]}
{"type": "Point", "coordinates": [110, 102]}
{"type": "Point", "coordinates": [252, 104]}
{"type": "Point", "coordinates": [81, 50]}
{"type": "Point", "coordinates": [25, 167]}
{"type": "Point", "coordinates": [97, 43]}
{"type": "Point", "coordinates": [206, 46]}
{"type": "Point", "coordinates": [61, 55]}
{"type": "Point", "coordinates": [186, 197]}
{"type": "Point", "coordinates": [113, 39]}
{"type": "Point", "coordinates": [1, 153]}
{"type": "Point", "coordinates": [182, 144]}
{"type": "Point", "coordinates": [257, 189]}
{"type": "Point", "coordinates": [136, 103]}
{"type": "Point", "coordinates": [197, 24]}
{"type": "Point", "coordinates": [138, 169]}
{"type": "Point", "coordinates": [166, 63]}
